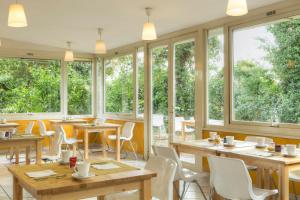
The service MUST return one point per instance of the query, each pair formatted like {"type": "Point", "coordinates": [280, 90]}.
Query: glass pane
{"type": "Point", "coordinates": [266, 72]}
{"type": "Point", "coordinates": [185, 90]}
{"type": "Point", "coordinates": [159, 58]}
{"type": "Point", "coordinates": [80, 87]}
{"type": "Point", "coordinates": [29, 85]}
{"type": "Point", "coordinates": [119, 84]}
{"type": "Point", "coordinates": [140, 78]}
{"type": "Point", "coordinates": [215, 76]}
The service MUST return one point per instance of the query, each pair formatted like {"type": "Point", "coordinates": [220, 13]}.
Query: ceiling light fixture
{"type": "Point", "coordinates": [69, 57]}
{"type": "Point", "coordinates": [237, 7]}
{"type": "Point", "coordinates": [16, 15]}
{"type": "Point", "coordinates": [149, 32]}
{"type": "Point", "coordinates": [100, 47]}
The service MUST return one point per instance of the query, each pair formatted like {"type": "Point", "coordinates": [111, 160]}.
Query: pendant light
{"type": "Point", "coordinates": [100, 47]}
{"type": "Point", "coordinates": [149, 32]}
{"type": "Point", "coordinates": [237, 7]}
{"type": "Point", "coordinates": [69, 57]}
{"type": "Point", "coordinates": [16, 15]}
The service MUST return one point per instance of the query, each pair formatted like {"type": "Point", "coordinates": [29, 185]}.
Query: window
{"type": "Point", "coordinates": [80, 87]}
{"type": "Point", "coordinates": [215, 77]}
{"type": "Point", "coordinates": [140, 81]}
{"type": "Point", "coordinates": [266, 68]}
{"type": "Point", "coordinates": [119, 84]}
{"type": "Point", "coordinates": [29, 86]}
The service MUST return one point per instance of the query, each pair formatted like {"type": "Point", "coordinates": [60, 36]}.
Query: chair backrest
{"type": "Point", "coordinates": [157, 120]}
{"type": "Point", "coordinates": [63, 134]}
{"type": "Point", "coordinates": [58, 140]}
{"type": "Point", "coordinates": [230, 178]}
{"type": "Point", "coordinates": [178, 123]}
{"type": "Point", "coordinates": [127, 130]}
{"type": "Point", "coordinates": [254, 139]}
{"type": "Point", "coordinates": [42, 127]}
{"type": "Point", "coordinates": [162, 184]}
{"type": "Point", "coordinates": [28, 130]}
{"type": "Point", "coordinates": [169, 153]}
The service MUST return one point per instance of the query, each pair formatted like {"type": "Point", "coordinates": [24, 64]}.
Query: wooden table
{"type": "Point", "coordinates": [102, 127]}
{"type": "Point", "coordinates": [184, 124]}
{"type": "Point", "coordinates": [249, 154]}
{"type": "Point", "coordinates": [55, 123]}
{"type": "Point", "coordinates": [18, 142]}
{"type": "Point", "coordinates": [8, 126]}
{"type": "Point", "coordinates": [64, 187]}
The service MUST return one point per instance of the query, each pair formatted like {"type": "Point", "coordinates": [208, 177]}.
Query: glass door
{"type": "Point", "coordinates": [159, 95]}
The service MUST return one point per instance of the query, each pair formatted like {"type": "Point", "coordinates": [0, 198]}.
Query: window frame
{"type": "Point", "coordinates": [63, 91]}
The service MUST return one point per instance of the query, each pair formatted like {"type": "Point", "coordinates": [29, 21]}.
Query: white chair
{"type": "Point", "coordinates": [186, 175]}
{"type": "Point", "coordinates": [162, 184]}
{"type": "Point", "coordinates": [294, 177]}
{"type": "Point", "coordinates": [56, 149]}
{"type": "Point", "coordinates": [230, 179]}
{"type": "Point", "coordinates": [178, 125]}
{"type": "Point", "coordinates": [28, 130]}
{"type": "Point", "coordinates": [126, 136]}
{"type": "Point", "coordinates": [45, 133]}
{"type": "Point", "coordinates": [69, 141]}
{"type": "Point", "coordinates": [158, 122]}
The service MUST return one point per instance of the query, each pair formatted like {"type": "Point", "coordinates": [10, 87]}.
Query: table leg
{"type": "Point", "coordinates": [176, 190]}
{"type": "Point", "coordinates": [17, 190]}
{"type": "Point", "coordinates": [283, 186]}
{"type": "Point", "coordinates": [17, 152]}
{"type": "Point", "coordinates": [86, 144]}
{"type": "Point", "coordinates": [118, 152]}
{"type": "Point", "coordinates": [104, 144]}
{"type": "Point", "coordinates": [38, 151]}
{"type": "Point", "coordinates": [145, 193]}
{"type": "Point", "coordinates": [28, 155]}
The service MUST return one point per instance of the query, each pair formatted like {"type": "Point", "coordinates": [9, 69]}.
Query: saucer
{"type": "Point", "coordinates": [229, 145]}
{"type": "Point", "coordinates": [61, 162]}
{"type": "Point", "coordinates": [78, 177]}
{"type": "Point", "coordinates": [289, 156]}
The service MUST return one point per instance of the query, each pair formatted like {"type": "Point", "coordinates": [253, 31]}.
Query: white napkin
{"type": "Point", "coordinates": [40, 174]}
{"type": "Point", "coordinates": [105, 166]}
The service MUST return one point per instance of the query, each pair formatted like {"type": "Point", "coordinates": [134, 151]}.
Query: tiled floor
{"type": "Point", "coordinates": [193, 192]}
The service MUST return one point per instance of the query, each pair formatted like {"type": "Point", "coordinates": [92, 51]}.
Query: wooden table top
{"type": "Point", "coordinates": [242, 150]}
{"type": "Point", "coordinates": [63, 181]}
{"type": "Point", "coordinates": [9, 124]}
{"type": "Point", "coordinates": [21, 138]}
{"type": "Point", "coordinates": [67, 121]}
{"type": "Point", "coordinates": [98, 126]}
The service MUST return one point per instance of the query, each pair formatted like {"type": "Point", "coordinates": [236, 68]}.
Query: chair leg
{"type": "Point", "coordinates": [203, 194]}
{"type": "Point", "coordinates": [177, 190]}
{"type": "Point", "coordinates": [133, 149]}
{"type": "Point", "coordinates": [183, 190]}
{"type": "Point", "coordinates": [186, 189]}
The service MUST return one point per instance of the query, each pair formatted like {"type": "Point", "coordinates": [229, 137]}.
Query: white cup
{"type": "Point", "coordinates": [65, 155]}
{"type": "Point", "coordinates": [260, 141]}
{"type": "Point", "coordinates": [83, 168]}
{"type": "Point", "coordinates": [213, 135]}
{"type": "Point", "coordinates": [230, 140]}
{"type": "Point", "coordinates": [291, 149]}
{"type": "Point", "coordinates": [2, 134]}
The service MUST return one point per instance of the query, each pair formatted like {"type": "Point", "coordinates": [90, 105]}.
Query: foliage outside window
{"type": "Point", "coordinates": [119, 84]}
{"type": "Point", "coordinates": [185, 79]}
{"type": "Point", "coordinates": [80, 87]}
{"type": "Point", "coordinates": [140, 80]}
{"type": "Point", "coordinates": [29, 85]}
{"type": "Point", "coordinates": [266, 68]}
{"type": "Point", "coordinates": [215, 76]}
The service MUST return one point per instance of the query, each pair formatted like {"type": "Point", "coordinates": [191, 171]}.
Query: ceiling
{"type": "Point", "coordinates": [53, 22]}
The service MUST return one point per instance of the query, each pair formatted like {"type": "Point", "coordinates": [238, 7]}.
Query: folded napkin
{"type": "Point", "coordinates": [40, 174]}
{"type": "Point", "coordinates": [105, 166]}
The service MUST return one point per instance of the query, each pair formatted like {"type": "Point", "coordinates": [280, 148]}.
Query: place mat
{"type": "Point", "coordinates": [65, 173]}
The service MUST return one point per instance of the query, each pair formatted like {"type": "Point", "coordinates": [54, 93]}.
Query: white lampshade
{"type": "Point", "coordinates": [16, 16]}
{"type": "Point", "coordinates": [237, 7]}
{"type": "Point", "coordinates": [69, 57]}
{"type": "Point", "coordinates": [149, 32]}
{"type": "Point", "coordinates": [100, 47]}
